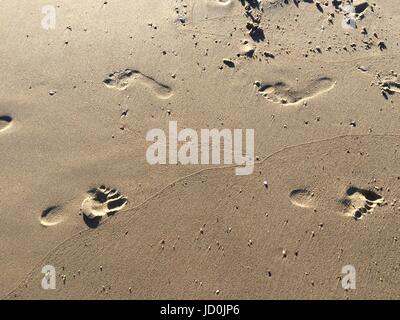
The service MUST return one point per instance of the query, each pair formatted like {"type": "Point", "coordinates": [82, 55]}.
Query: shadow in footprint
{"type": "Point", "coordinates": [91, 223]}
{"type": "Point", "coordinates": [257, 34]}
{"type": "Point", "coordinates": [369, 195]}
{"type": "Point", "coordinates": [5, 121]}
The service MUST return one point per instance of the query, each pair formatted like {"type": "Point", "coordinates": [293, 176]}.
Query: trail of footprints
{"type": "Point", "coordinates": [100, 202]}
{"type": "Point", "coordinates": [357, 203]}
{"type": "Point", "coordinates": [121, 80]}
{"type": "Point", "coordinates": [103, 201]}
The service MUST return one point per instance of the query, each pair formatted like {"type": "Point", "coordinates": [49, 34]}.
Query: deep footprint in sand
{"type": "Point", "coordinates": [360, 202]}
{"type": "Point", "coordinates": [102, 201]}
{"type": "Point", "coordinates": [282, 93]}
{"type": "Point", "coordinates": [5, 122]}
{"type": "Point", "coordinates": [51, 216]}
{"type": "Point", "coordinates": [303, 198]}
{"type": "Point", "coordinates": [123, 79]}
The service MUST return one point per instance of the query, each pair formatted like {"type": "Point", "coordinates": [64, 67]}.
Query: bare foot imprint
{"type": "Point", "coordinates": [5, 122]}
{"type": "Point", "coordinates": [51, 216]}
{"type": "Point", "coordinates": [102, 201]}
{"type": "Point", "coordinates": [303, 198]}
{"type": "Point", "coordinates": [123, 79]}
{"type": "Point", "coordinates": [282, 93]}
{"type": "Point", "coordinates": [360, 202]}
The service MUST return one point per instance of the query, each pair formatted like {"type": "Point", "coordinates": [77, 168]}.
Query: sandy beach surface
{"type": "Point", "coordinates": [84, 210]}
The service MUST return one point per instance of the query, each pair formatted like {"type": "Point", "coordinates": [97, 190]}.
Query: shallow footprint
{"type": "Point", "coordinates": [5, 122]}
{"type": "Point", "coordinates": [51, 216]}
{"type": "Point", "coordinates": [302, 198]}
{"type": "Point", "coordinates": [102, 201]}
{"type": "Point", "coordinates": [283, 93]}
{"type": "Point", "coordinates": [360, 202]}
{"type": "Point", "coordinates": [123, 79]}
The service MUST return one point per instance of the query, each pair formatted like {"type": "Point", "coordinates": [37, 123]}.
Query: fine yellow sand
{"type": "Point", "coordinates": [323, 98]}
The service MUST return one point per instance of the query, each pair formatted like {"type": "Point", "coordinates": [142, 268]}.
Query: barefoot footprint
{"type": "Point", "coordinates": [123, 79]}
{"type": "Point", "coordinates": [283, 93]}
{"type": "Point", "coordinates": [359, 202]}
{"type": "Point", "coordinates": [51, 216]}
{"type": "Point", "coordinates": [102, 201]}
{"type": "Point", "coordinates": [303, 198]}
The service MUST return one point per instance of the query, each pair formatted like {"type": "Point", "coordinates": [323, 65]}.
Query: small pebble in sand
{"type": "Point", "coordinates": [265, 183]}
{"type": "Point", "coordinates": [284, 253]}
{"type": "Point", "coordinates": [363, 69]}
{"type": "Point", "coordinates": [382, 45]}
